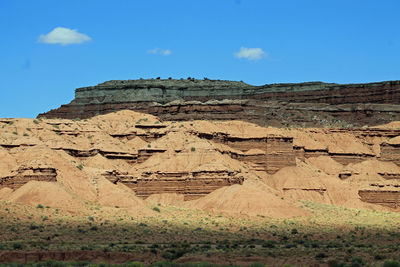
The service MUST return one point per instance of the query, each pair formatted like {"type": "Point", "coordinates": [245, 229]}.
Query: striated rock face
{"type": "Point", "coordinates": [302, 104]}
{"type": "Point", "coordinates": [25, 174]}
{"type": "Point", "coordinates": [269, 153]}
{"type": "Point", "coordinates": [150, 156]}
{"type": "Point", "coordinates": [389, 197]}
{"type": "Point", "coordinates": [192, 185]}
{"type": "Point", "coordinates": [390, 151]}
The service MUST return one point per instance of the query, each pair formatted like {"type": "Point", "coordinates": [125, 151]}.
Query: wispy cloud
{"type": "Point", "coordinates": [250, 53]}
{"type": "Point", "coordinates": [159, 51]}
{"type": "Point", "coordinates": [63, 36]}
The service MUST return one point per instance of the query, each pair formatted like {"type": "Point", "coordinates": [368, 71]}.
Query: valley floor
{"type": "Point", "coordinates": [329, 235]}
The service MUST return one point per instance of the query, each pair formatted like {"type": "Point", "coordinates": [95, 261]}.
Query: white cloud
{"type": "Point", "coordinates": [159, 51]}
{"type": "Point", "coordinates": [250, 53]}
{"type": "Point", "coordinates": [63, 36]}
{"type": "Point", "coordinates": [166, 52]}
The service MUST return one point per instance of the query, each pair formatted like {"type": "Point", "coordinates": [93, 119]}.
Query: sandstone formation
{"type": "Point", "coordinates": [315, 104]}
{"type": "Point", "coordinates": [123, 158]}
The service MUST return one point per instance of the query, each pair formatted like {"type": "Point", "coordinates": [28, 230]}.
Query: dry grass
{"type": "Point", "coordinates": [331, 233]}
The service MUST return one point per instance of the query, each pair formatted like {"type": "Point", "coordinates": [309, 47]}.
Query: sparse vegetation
{"type": "Point", "coordinates": [156, 209]}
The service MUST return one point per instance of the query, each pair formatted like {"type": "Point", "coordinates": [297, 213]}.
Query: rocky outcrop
{"type": "Point", "coordinates": [302, 104]}
{"type": "Point", "coordinates": [192, 185]}
{"type": "Point", "coordinates": [390, 151]}
{"type": "Point", "coordinates": [24, 174]}
{"type": "Point", "coordinates": [194, 158]}
{"type": "Point", "coordinates": [267, 153]}
{"type": "Point", "coordinates": [385, 195]}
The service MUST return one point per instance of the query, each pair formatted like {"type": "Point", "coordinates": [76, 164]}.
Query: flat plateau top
{"type": "Point", "coordinates": [196, 84]}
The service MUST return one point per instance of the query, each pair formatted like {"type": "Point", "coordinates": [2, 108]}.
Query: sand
{"type": "Point", "coordinates": [27, 143]}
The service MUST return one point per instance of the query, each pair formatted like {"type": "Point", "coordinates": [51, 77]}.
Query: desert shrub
{"type": "Point", "coordinates": [39, 206]}
{"type": "Point", "coordinates": [320, 255]}
{"type": "Point", "coordinates": [82, 231]}
{"type": "Point", "coordinates": [193, 149]}
{"type": "Point", "coordinates": [269, 244]}
{"type": "Point", "coordinates": [173, 254]}
{"type": "Point", "coordinates": [35, 226]}
{"type": "Point", "coordinates": [335, 263]}
{"type": "Point", "coordinates": [357, 261]}
{"type": "Point", "coordinates": [90, 218]}
{"type": "Point", "coordinates": [18, 246]}
{"type": "Point", "coordinates": [294, 231]}
{"type": "Point", "coordinates": [133, 264]}
{"type": "Point", "coordinates": [315, 244]}
{"type": "Point", "coordinates": [35, 121]}
{"type": "Point", "coordinates": [80, 166]}
{"type": "Point", "coordinates": [157, 209]}
{"type": "Point", "coordinates": [257, 264]}
{"type": "Point", "coordinates": [390, 263]}
{"type": "Point", "coordinates": [25, 134]}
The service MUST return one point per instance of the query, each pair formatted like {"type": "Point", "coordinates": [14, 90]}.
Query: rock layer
{"type": "Point", "coordinates": [302, 104]}
{"type": "Point", "coordinates": [115, 157]}
{"type": "Point", "coordinates": [25, 174]}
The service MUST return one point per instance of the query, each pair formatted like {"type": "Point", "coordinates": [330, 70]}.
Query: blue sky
{"type": "Point", "coordinates": [48, 48]}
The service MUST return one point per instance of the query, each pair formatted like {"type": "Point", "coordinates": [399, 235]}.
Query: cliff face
{"type": "Point", "coordinates": [303, 104]}
{"type": "Point", "coordinates": [97, 157]}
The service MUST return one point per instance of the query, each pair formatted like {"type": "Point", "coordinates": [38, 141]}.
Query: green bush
{"type": "Point", "coordinates": [320, 255]}
{"type": "Point", "coordinates": [18, 246]}
{"type": "Point", "coordinates": [391, 264]}
{"type": "Point", "coordinates": [133, 264]}
{"type": "Point", "coordinates": [357, 261]}
{"type": "Point", "coordinates": [39, 206]}
{"type": "Point", "coordinates": [269, 244]}
{"type": "Point", "coordinates": [157, 209]}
